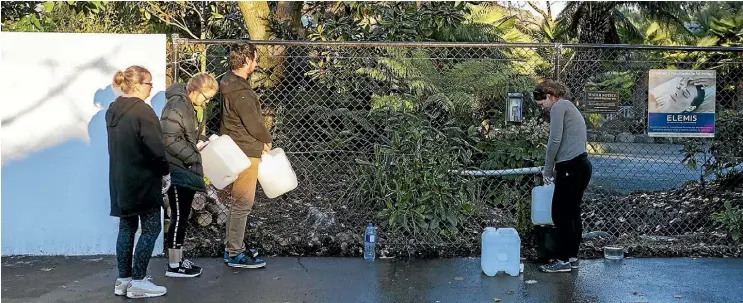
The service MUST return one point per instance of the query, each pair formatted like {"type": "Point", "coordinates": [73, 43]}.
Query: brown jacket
{"type": "Point", "coordinates": [241, 115]}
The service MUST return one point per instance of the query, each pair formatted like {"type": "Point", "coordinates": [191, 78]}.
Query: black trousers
{"type": "Point", "coordinates": [571, 180]}
{"type": "Point", "coordinates": [135, 266]}
{"type": "Point", "coordinates": [180, 200]}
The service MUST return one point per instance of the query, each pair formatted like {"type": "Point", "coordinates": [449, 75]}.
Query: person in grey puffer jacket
{"type": "Point", "coordinates": [182, 123]}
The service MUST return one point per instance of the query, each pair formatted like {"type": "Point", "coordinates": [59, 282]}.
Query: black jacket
{"type": "Point", "coordinates": [137, 160]}
{"type": "Point", "coordinates": [181, 132]}
{"type": "Point", "coordinates": [242, 119]}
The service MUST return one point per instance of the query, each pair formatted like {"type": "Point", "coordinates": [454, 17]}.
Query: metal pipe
{"type": "Point", "coordinates": [656, 47]}
{"type": "Point", "coordinates": [502, 172]}
{"type": "Point", "coordinates": [372, 44]}
{"type": "Point", "coordinates": [462, 45]}
{"type": "Point", "coordinates": [175, 40]}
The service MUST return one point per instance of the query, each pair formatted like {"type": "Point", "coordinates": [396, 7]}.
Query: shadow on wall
{"type": "Point", "coordinates": [43, 184]}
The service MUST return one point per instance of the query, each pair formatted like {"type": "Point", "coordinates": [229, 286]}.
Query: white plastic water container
{"type": "Point", "coordinates": [223, 160]}
{"type": "Point", "coordinates": [275, 174]}
{"type": "Point", "coordinates": [501, 251]}
{"type": "Point", "coordinates": [541, 204]}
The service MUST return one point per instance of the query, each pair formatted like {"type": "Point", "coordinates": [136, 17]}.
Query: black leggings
{"type": "Point", "coordinates": [125, 244]}
{"type": "Point", "coordinates": [571, 180]}
{"type": "Point", "coordinates": [179, 199]}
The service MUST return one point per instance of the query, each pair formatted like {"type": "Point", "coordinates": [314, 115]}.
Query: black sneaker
{"type": "Point", "coordinates": [557, 266]}
{"type": "Point", "coordinates": [186, 269]}
{"type": "Point", "coordinates": [191, 264]}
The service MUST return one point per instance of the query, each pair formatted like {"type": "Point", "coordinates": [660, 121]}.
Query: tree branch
{"type": "Point", "coordinates": [198, 12]}
{"type": "Point", "coordinates": [156, 11]}
{"type": "Point", "coordinates": [534, 7]}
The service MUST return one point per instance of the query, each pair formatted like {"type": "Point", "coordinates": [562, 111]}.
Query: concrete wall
{"type": "Point", "coordinates": [54, 91]}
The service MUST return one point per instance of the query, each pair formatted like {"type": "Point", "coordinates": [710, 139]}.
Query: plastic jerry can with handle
{"type": "Point", "coordinates": [501, 251]}
{"type": "Point", "coordinates": [275, 174]}
{"type": "Point", "coordinates": [223, 160]}
{"type": "Point", "coordinates": [541, 204]}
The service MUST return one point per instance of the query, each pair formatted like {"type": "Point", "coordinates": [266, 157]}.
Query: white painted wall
{"type": "Point", "coordinates": [54, 91]}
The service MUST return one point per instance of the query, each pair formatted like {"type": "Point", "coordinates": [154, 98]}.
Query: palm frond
{"type": "Point", "coordinates": [633, 33]}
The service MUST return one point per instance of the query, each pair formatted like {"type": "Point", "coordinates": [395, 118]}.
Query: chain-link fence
{"type": "Point", "coordinates": [411, 137]}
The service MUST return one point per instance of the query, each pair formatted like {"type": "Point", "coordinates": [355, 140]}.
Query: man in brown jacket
{"type": "Point", "coordinates": [243, 122]}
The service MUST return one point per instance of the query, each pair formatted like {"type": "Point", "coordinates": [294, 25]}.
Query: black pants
{"type": "Point", "coordinates": [571, 180]}
{"type": "Point", "coordinates": [179, 199]}
{"type": "Point", "coordinates": [125, 244]}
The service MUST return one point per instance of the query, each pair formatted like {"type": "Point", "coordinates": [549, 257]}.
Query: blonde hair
{"type": "Point", "coordinates": [127, 79]}
{"type": "Point", "coordinates": [202, 82]}
{"type": "Point", "coordinates": [554, 88]}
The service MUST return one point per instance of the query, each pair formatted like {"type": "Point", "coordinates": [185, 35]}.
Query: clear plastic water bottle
{"type": "Point", "coordinates": [370, 242]}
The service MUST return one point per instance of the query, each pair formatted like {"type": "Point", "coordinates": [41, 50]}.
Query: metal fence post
{"type": "Point", "coordinates": [175, 41]}
{"type": "Point", "coordinates": [556, 61]}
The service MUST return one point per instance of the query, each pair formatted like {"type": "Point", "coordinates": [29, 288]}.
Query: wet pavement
{"type": "Point", "coordinates": [90, 279]}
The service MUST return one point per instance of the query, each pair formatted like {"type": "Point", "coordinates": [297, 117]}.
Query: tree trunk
{"type": "Point", "coordinates": [199, 201]}
{"type": "Point", "coordinates": [255, 17]}
{"type": "Point", "coordinates": [270, 58]}
{"type": "Point", "coordinates": [212, 194]}
{"type": "Point", "coordinates": [593, 28]}
{"type": "Point", "coordinates": [204, 219]}
{"type": "Point", "coordinates": [220, 212]}
{"type": "Point", "coordinates": [291, 12]}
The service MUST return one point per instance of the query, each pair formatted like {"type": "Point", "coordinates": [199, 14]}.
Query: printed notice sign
{"type": "Point", "coordinates": [681, 103]}
{"type": "Point", "coordinates": [602, 102]}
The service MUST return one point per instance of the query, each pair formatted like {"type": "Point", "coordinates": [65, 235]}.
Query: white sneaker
{"type": "Point", "coordinates": [144, 289]}
{"type": "Point", "coordinates": [121, 285]}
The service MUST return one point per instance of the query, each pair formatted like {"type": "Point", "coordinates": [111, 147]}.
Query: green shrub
{"type": "Point", "coordinates": [515, 146]}
{"type": "Point", "coordinates": [732, 219]}
{"type": "Point", "coordinates": [724, 151]}
{"type": "Point", "coordinates": [408, 177]}
{"type": "Point", "coordinates": [727, 146]}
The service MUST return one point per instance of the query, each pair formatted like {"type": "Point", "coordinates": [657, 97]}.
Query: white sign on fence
{"type": "Point", "coordinates": [681, 103]}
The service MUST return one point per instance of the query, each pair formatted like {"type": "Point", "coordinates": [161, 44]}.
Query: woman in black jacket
{"type": "Point", "coordinates": [137, 167]}
{"type": "Point", "coordinates": [183, 123]}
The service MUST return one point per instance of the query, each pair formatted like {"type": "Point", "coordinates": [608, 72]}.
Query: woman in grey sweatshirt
{"type": "Point", "coordinates": [566, 164]}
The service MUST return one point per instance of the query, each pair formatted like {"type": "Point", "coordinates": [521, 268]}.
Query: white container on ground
{"type": "Point", "coordinates": [223, 161]}
{"type": "Point", "coordinates": [501, 251]}
{"type": "Point", "coordinates": [541, 204]}
{"type": "Point", "coordinates": [275, 173]}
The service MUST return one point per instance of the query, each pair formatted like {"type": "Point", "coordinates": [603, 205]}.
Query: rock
{"type": "Point", "coordinates": [315, 242]}
{"type": "Point", "coordinates": [644, 139]}
{"type": "Point", "coordinates": [658, 238]}
{"type": "Point", "coordinates": [661, 140]}
{"type": "Point", "coordinates": [320, 220]}
{"type": "Point", "coordinates": [595, 234]}
{"type": "Point", "coordinates": [607, 138]}
{"type": "Point", "coordinates": [596, 148]}
{"type": "Point", "coordinates": [625, 138]}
